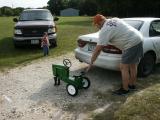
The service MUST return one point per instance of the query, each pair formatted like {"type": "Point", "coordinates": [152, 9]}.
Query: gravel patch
{"type": "Point", "coordinates": [28, 92]}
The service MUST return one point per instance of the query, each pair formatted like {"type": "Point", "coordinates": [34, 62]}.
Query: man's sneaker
{"type": "Point", "coordinates": [132, 87]}
{"type": "Point", "coordinates": [121, 91]}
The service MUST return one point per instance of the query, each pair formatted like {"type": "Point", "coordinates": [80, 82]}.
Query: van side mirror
{"type": "Point", "coordinates": [15, 19]}
{"type": "Point", "coordinates": [56, 19]}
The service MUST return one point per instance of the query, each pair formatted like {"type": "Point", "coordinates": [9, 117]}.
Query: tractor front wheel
{"type": "Point", "coordinates": [72, 90]}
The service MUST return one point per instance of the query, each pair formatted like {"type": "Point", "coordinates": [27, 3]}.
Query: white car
{"type": "Point", "coordinates": [110, 56]}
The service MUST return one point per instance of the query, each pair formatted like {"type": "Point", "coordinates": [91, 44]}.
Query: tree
{"type": "Point", "coordinates": [73, 4]}
{"type": "Point", "coordinates": [102, 6]}
{"type": "Point", "coordinates": [88, 7]}
{"type": "Point", "coordinates": [55, 6]}
{"type": "Point", "coordinates": [7, 11]}
{"type": "Point", "coordinates": [17, 11]}
{"type": "Point", "coordinates": [119, 8]}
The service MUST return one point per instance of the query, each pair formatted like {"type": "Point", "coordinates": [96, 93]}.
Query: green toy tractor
{"type": "Point", "coordinates": [74, 83]}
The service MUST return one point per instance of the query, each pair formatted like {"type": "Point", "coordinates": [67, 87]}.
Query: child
{"type": "Point", "coordinates": [45, 44]}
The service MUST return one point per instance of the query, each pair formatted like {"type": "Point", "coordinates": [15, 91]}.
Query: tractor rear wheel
{"type": "Point", "coordinates": [86, 83]}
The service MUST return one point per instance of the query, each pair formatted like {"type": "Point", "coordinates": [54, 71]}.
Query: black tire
{"type": "Point", "coordinates": [146, 65]}
{"type": "Point", "coordinates": [72, 90]}
{"type": "Point", "coordinates": [86, 83]}
{"type": "Point", "coordinates": [53, 45]}
{"type": "Point", "coordinates": [16, 46]}
{"type": "Point", "coordinates": [56, 81]}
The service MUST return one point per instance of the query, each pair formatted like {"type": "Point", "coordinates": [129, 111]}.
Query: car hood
{"type": "Point", "coordinates": [34, 23]}
{"type": "Point", "coordinates": [93, 37]}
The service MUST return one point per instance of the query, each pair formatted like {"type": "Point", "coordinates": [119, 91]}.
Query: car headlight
{"type": "Point", "coordinates": [18, 31]}
{"type": "Point", "coordinates": [52, 30]}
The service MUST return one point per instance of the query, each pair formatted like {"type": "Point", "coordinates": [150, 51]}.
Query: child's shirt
{"type": "Point", "coordinates": [45, 41]}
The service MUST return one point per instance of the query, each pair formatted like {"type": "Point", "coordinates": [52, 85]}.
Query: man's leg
{"type": "Point", "coordinates": [133, 74]}
{"type": "Point", "coordinates": [125, 80]}
{"type": "Point", "coordinates": [125, 75]}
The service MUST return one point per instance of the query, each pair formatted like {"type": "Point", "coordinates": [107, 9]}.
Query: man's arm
{"type": "Point", "coordinates": [96, 53]}
{"type": "Point", "coordinates": [94, 56]}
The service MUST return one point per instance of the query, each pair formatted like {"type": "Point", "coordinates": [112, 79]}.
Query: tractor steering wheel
{"type": "Point", "coordinates": [67, 63]}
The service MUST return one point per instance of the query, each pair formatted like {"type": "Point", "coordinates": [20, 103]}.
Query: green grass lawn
{"type": "Point", "coordinates": [69, 28]}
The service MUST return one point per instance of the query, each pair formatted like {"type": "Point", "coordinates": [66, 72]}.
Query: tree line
{"type": "Point", "coordinates": [119, 8]}
{"type": "Point", "coordinates": [8, 11]}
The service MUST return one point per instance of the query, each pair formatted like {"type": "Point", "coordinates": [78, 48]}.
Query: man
{"type": "Point", "coordinates": [127, 39]}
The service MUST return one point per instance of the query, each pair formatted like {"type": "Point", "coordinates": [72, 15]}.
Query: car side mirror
{"type": "Point", "coordinates": [56, 19]}
{"type": "Point", "coordinates": [15, 19]}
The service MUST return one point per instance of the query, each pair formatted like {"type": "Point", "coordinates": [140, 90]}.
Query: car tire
{"type": "Point", "coordinates": [146, 65]}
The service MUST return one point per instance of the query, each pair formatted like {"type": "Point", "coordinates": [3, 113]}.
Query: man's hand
{"type": "Point", "coordinates": [94, 56]}
{"type": "Point", "coordinates": [89, 67]}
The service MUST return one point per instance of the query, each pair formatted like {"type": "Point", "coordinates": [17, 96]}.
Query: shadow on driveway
{"type": "Point", "coordinates": [97, 96]}
{"type": "Point", "coordinates": [102, 82]}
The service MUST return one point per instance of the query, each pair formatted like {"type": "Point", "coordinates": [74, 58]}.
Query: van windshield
{"type": "Point", "coordinates": [36, 15]}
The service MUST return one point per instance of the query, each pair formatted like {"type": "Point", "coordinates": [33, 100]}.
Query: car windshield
{"type": "Point", "coordinates": [35, 15]}
{"type": "Point", "coordinates": [135, 23]}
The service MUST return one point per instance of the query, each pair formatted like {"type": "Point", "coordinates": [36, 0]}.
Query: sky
{"type": "Point", "coordinates": [23, 3]}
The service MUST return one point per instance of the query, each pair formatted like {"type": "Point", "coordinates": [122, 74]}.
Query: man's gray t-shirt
{"type": "Point", "coordinates": [118, 33]}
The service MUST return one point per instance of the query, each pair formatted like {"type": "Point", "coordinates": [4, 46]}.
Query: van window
{"type": "Point", "coordinates": [36, 15]}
